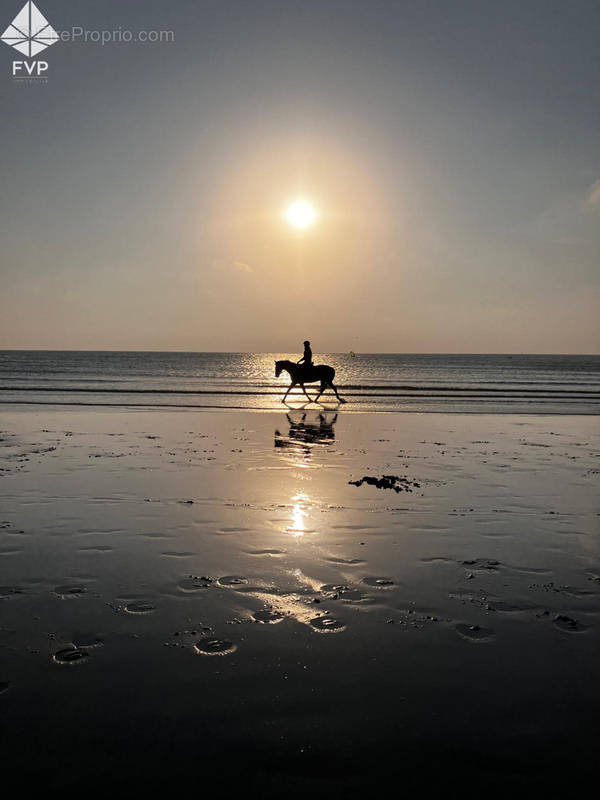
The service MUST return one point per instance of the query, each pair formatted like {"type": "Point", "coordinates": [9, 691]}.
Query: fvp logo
{"type": "Point", "coordinates": [29, 33]}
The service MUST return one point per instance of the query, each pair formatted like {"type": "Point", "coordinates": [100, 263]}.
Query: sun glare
{"type": "Point", "coordinates": [301, 214]}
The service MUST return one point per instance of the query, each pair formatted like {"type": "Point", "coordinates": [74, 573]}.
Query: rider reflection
{"type": "Point", "coordinates": [306, 430]}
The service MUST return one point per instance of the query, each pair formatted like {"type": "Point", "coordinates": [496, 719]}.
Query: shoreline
{"type": "Point", "coordinates": [346, 408]}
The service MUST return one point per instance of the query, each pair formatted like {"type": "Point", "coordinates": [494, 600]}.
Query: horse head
{"type": "Point", "coordinates": [278, 368]}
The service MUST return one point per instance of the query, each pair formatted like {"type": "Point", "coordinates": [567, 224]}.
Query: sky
{"type": "Point", "coordinates": [450, 149]}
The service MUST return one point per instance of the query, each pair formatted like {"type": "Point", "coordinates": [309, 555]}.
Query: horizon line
{"type": "Point", "coordinates": [278, 352]}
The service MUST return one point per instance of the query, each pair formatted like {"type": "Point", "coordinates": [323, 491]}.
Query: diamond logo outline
{"type": "Point", "coordinates": [29, 32]}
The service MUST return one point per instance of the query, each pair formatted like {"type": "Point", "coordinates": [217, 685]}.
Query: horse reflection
{"type": "Point", "coordinates": [306, 430]}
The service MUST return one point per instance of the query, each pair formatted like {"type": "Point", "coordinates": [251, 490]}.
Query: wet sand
{"type": "Point", "coordinates": [220, 601]}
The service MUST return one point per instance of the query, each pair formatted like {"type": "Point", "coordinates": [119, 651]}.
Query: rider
{"type": "Point", "coordinates": [307, 357]}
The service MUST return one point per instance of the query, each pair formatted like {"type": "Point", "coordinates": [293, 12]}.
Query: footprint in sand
{"type": "Point", "coordinates": [195, 583]}
{"type": "Point", "coordinates": [379, 583]}
{"type": "Point", "coordinates": [209, 646]}
{"type": "Point", "coordinates": [232, 580]}
{"type": "Point", "coordinates": [69, 591]}
{"type": "Point", "coordinates": [474, 633]}
{"type": "Point", "coordinates": [139, 607]}
{"type": "Point", "coordinates": [327, 625]}
{"type": "Point", "coordinates": [568, 624]}
{"type": "Point", "coordinates": [333, 591]}
{"type": "Point", "coordinates": [71, 655]}
{"type": "Point", "coordinates": [268, 616]}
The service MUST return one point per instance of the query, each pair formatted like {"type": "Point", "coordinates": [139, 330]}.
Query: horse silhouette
{"type": "Point", "coordinates": [300, 375]}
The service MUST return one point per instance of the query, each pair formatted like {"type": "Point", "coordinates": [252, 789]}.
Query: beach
{"type": "Point", "coordinates": [300, 400]}
{"type": "Point", "coordinates": [218, 599]}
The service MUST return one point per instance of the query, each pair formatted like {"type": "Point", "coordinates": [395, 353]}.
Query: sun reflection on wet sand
{"type": "Point", "coordinates": [307, 430]}
{"type": "Point", "coordinates": [298, 604]}
{"type": "Point", "coordinates": [301, 505]}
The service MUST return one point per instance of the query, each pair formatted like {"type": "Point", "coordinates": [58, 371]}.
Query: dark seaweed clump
{"type": "Point", "coordinates": [394, 482]}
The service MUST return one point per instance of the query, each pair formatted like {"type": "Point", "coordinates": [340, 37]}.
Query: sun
{"type": "Point", "coordinates": [301, 214]}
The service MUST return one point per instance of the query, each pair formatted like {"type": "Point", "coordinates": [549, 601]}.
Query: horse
{"type": "Point", "coordinates": [301, 375]}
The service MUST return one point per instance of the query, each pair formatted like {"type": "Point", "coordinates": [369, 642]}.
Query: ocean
{"type": "Point", "coordinates": [539, 384]}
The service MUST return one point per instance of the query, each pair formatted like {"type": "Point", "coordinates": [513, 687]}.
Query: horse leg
{"type": "Point", "coordinates": [291, 386]}
{"type": "Point", "coordinates": [341, 399]}
{"type": "Point", "coordinates": [306, 393]}
{"type": "Point", "coordinates": [321, 390]}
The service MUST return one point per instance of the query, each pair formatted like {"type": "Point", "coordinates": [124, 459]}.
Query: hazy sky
{"type": "Point", "coordinates": [451, 150]}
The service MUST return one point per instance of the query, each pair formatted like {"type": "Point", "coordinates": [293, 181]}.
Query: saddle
{"type": "Point", "coordinates": [307, 373]}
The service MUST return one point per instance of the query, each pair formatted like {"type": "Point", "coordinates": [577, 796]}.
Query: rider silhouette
{"type": "Point", "coordinates": [307, 357]}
